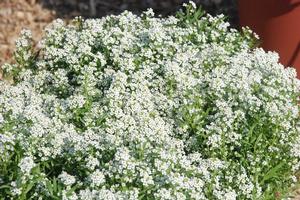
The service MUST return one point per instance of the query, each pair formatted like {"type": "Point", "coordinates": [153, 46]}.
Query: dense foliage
{"type": "Point", "coordinates": [140, 107]}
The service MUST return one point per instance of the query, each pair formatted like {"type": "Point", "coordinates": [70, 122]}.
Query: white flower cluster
{"type": "Point", "coordinates": [26, 164]}
{"type": "Point", "coordinates": [138, 107]}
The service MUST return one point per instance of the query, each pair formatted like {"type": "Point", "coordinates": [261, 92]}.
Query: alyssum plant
{"type": "Point", "coordinates": [139, 107]}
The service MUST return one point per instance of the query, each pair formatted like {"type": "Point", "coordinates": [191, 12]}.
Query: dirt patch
{"type": "Point", "coordinates": [16, 15]}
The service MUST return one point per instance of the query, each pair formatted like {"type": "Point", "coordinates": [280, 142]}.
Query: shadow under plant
{"type": "Point", "coordinates": [99, 8]}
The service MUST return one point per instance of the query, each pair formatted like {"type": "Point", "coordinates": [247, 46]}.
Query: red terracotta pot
{"type": "Point", "coordinates": [277, 22]}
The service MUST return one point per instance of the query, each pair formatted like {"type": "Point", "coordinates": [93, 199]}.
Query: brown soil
{"type": "Point", "coordinates": [16, 15]}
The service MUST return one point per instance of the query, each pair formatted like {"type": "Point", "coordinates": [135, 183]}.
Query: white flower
{"type": "Point", "coordinates": [1, 118]}
{"type": "Point", "coordinates": [148, 107]}
{"type": "Point", "coordinates": [67, 179]}
{"type": "Point", "coordinates": [192, 3]}
{"type": "Point", "coordinates": [97, 178]}
{"type": "Point", "coordinates": [26, 164]}
{"type": "Point", "coordinates": [230, 196]}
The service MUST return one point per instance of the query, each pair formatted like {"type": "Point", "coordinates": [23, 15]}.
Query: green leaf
{"type": "Point", "coordinates": [4, 186]}
{"type": "Point", "coordinates": [72, 190]}
{"type": "Point", "coordinates": [29, 187]}
{"type": "Point", "coordinates": [272, 173]}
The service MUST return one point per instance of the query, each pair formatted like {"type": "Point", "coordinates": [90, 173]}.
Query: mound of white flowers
{"type": "Point", "coordinates": [138, 107]}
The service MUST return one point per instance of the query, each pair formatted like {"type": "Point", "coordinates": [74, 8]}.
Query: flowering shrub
{"type": "Point", "coordinates": [139, 107]}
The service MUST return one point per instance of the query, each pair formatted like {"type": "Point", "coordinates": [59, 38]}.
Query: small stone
{"type": "Point", "coordinates": [20, 14]}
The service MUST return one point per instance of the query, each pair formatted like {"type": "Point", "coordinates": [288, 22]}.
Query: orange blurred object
{"type": "Point", "coordinates": [277, 22]}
